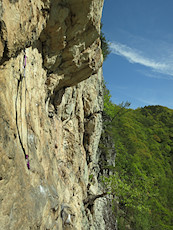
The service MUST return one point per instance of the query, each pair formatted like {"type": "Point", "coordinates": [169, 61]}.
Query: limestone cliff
{"type": "Point", "coordinates": [50, 114]}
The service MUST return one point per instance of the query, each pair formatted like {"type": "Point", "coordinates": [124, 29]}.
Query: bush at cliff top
{"type": "Point", "coordinates": [104, 45]}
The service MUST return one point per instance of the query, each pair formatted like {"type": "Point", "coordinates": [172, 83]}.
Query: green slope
{"type": "Point", "coordinates": [142, 182]}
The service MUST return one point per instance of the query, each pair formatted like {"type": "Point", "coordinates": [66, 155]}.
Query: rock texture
{"type": "Point", "coordinates": [50, 110]}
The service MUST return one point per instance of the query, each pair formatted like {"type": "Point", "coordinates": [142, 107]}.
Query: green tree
{"type": "Point", "coordinates": [104, 45]}
{"type": "Point", "coordinates": [141, 182]}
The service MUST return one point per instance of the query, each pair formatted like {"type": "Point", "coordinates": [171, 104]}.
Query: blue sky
{"type": "Point", "coordinates": [140, 66]}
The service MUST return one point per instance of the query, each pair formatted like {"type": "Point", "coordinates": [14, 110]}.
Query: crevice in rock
{"type": "Point", "coordinates": [13, 1]}
{"type": "Point", "coordinates": [6, 55]}
{"type": "Point", "coordinates": [87, 135]}
{"type": "Point", "coordinates": [56, 98]}
{"type": "Point", "coordinates": [90, 207]}
{"type": "Point", "coordinates": [92, 114]}
{"type": "Point", "coordinates": [6, 51]}
{"type": "Point", "coordinates": [18, 132]}
{"type": "Point", "coordinates": [89, 201]}
{"type": "Point", "coordinates": [88, 158]}
{"type": "Point", "coordinates": [20, 140]}
{"type": "Point", "coordinates": [53, 101]}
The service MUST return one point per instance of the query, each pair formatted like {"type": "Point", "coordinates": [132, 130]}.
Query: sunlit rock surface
{"type": "Point", "coordinates": [50, 112]}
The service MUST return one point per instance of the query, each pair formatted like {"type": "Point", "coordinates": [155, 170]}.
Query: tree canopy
{"type": "Point", "coordinates": [104, 45]}
{"type": "Point", "coordinates": [141, 182]}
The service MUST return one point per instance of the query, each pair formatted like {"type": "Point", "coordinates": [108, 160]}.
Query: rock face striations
{"type": "Point", "coordinates": [50, 114]}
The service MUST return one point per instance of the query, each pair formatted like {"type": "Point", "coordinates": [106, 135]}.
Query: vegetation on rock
{"type": "Point", "coordinates": [104, 45]}
{"type": "Point", "coordinates": [141, 182]}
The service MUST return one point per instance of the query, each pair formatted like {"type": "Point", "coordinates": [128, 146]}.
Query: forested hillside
{"type": "Point", "coordinates": [142, 179]}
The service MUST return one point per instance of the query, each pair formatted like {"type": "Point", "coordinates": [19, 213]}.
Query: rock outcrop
{"type": "Point", "coordinates": [50, 113]}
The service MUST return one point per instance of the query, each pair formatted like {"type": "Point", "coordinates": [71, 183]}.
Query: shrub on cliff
{"type": "Point", "coordinates": [104, 45]}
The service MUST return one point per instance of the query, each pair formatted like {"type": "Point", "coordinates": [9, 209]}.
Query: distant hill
{"type": "Point", "coordinates": [142, 180]}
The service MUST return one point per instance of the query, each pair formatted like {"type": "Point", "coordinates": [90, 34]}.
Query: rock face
{"type": "Point", "coordinates": [50, 114]}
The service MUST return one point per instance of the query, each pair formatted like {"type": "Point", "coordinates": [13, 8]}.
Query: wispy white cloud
{"type": "Point", "coordinates": [136, 56]}
{"type": "Point", "coordinates": [155, 74]}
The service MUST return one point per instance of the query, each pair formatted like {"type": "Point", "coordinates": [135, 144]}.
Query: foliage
{"type": "Point", "coordinates": [142, 180]}
{"type": "Point", "coordinates": [104, 45]}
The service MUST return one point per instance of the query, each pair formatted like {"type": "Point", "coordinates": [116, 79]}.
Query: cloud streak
{"type": "Point", "coordinates": [155, 75]}
{"type": "Point", "coordinates": [135, 56]}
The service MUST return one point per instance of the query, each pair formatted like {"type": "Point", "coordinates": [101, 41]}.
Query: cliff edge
{"type": "Point", "coordinates": [50, 114]}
